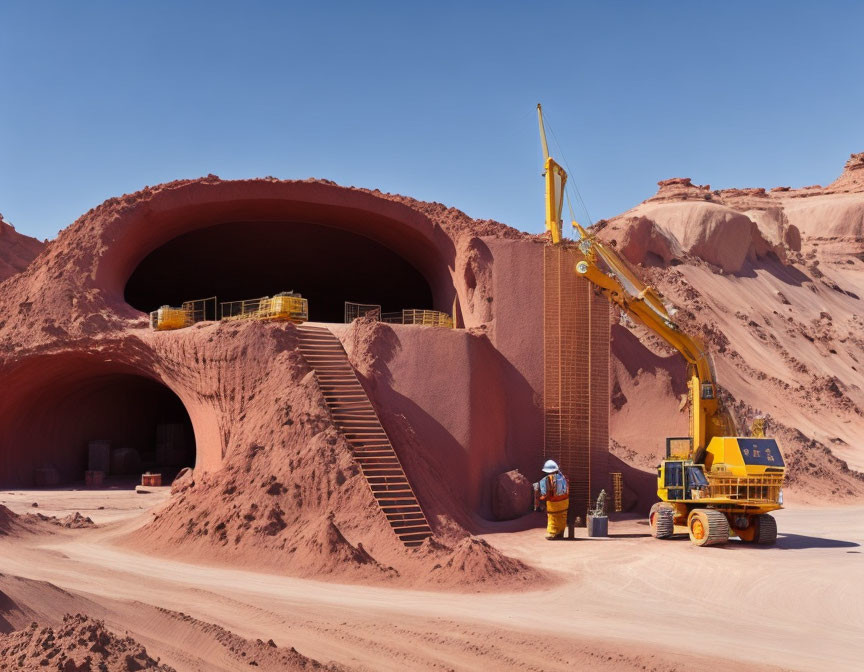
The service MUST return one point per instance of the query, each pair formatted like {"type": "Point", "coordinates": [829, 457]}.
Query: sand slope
{"type": "Point", "coordinates": [773, 282]}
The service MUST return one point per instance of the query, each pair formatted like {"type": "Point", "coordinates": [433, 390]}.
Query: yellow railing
{"type": "Point", "coordinates": [355, 310]}
{"type": "Point", "coordinates": [752, 488]}
{"type": "Point", "coordinates": [428, 318]}
{"type": "Point", "coordinates": [285, 306]}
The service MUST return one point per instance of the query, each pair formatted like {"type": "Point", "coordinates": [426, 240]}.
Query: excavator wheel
{"type": "Point", "coordinates": [708, 527]}
{"type": "Point", "coordinates": [660, 519]}
{"type": "Point", "coordinates": [766, 529]}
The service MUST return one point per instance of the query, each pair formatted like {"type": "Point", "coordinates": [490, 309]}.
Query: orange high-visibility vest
{"type": "Point", "coordinates": [557, 488]}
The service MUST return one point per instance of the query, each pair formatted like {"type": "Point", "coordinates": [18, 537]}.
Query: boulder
{"type": "Point", "coordinates": [512, 496]}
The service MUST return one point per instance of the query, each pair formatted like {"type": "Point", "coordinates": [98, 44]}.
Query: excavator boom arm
{"type": "Point", "coordinates": [643, 304]}
{"type": "Point", "coordinates": [612, 275]}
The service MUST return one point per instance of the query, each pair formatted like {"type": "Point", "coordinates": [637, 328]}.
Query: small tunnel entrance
{"type": "Point", "coordinates": [123, 424]}
{"type": "Point", "coordinates": [244, 260]}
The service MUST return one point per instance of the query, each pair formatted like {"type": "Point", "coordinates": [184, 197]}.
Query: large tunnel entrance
{"type": "Point", "coordinates": [120, 423]}
{"type": "Point", "coordinates": [244, 260]}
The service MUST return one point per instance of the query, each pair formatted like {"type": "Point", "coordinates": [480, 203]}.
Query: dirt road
{"type": "Point", "coordinates": [628, 602]}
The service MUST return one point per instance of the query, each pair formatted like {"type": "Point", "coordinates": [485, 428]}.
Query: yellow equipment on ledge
{"type": "Point", "coordinates": [285, 306]}
{"type": "Point", "coordinates": [168, 317]}
{"type": "Point", "coordinates": [712, 484]}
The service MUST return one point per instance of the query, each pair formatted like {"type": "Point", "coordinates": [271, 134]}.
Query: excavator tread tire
{"type": "Point", "coordinates": [661, 520]}
{"type": "Point", "coordinates": [714, 527]}
{"type": "Point", "coordinates": [766, 530]}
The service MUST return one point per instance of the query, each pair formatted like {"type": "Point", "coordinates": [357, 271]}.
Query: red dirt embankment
{"type": "Point", "coordinates": [773, 283]}
{"type": "Point", "coordinates": [16, 250]}
{"type": "Point", "coordinates": [291, 499]}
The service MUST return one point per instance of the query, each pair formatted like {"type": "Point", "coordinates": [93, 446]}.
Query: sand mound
{"type": "Point", "coordinates": [11, 523]}
{"type": "Point", "coordinates": [474, 563]}
{"type": "Point", "coordinates": [79, 644]}
{"type": "Point", "coordinates": [8, 521]}
{"type": "Point", "coordinates": [269, 506]}
{"type": "Point", "coordinates": [16, 250]}
{"type": "Point", "coordinates": [293, 500]}
{"type": "Point", "coordinates": [74, 521]}
{"type": "Point", "coordinates": [323, 546]}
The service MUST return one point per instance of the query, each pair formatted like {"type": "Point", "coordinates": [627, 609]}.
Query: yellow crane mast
{"type": "Point", "coordinates": [716, 484]}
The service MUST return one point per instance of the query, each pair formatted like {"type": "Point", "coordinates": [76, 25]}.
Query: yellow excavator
{"type": "Point", "coordinates": [712, 484]}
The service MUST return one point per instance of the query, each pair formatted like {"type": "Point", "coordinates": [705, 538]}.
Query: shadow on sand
{"type": "Point", "coordinates": [630, 535]}
{"type": "Point", "coordinates": [800, 541]}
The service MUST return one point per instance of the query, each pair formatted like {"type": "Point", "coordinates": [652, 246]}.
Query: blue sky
{"type": "Point", "coordinates": [434, 100]}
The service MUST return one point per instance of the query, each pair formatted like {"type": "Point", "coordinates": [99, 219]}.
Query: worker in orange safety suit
{"type": "Point", "coordinates": [555, 491]}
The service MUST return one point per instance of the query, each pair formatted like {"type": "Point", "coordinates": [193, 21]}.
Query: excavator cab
{"type": "Point", "coordinates": [681, 480]}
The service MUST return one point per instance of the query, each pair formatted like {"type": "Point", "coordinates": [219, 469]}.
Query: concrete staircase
{"type": "Point", "coordinates": [355, 417]}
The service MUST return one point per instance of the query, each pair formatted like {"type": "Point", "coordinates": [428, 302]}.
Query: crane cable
{"type": "Point", "coordinates": [571, 181]}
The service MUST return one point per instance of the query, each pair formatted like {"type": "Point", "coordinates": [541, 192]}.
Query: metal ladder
{"type": "Point", "coordinates": [355, 417]}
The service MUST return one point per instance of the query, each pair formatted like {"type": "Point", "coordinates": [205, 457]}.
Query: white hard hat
{"type": "Point", "coordinates": [550, 467]}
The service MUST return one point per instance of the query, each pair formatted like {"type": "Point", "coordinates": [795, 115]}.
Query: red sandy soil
{"type": "Point", "coordinates": [78, 644]}
{"type": "Point", "coordinates": [773, 282]}
{"type": "Point", "coordinates": [16, 250]}
{"type": "Point", "coordinates": [613, 608]}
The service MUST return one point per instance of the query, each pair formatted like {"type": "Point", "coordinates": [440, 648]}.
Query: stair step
{"type": "Point", "coordinates": [401, 508]}
{"type": "Point", "coordinates": [402, 519]}
{"type": "Point", "coordinates": [393, 487]}
{"type": "Point", "coordinates": [407, 524]}
{"type": "Point", "coordinates": [423, 529]}
{"type": "Point", "coordinates": [405, 503]}
{"type": "Point", "coordinates": [416, 537]}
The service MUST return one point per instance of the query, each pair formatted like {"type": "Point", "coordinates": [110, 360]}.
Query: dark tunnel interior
{"type": "Point", "coordinates": [246, 260]}
{"type": "Point", "coordinates": [121, 424]}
